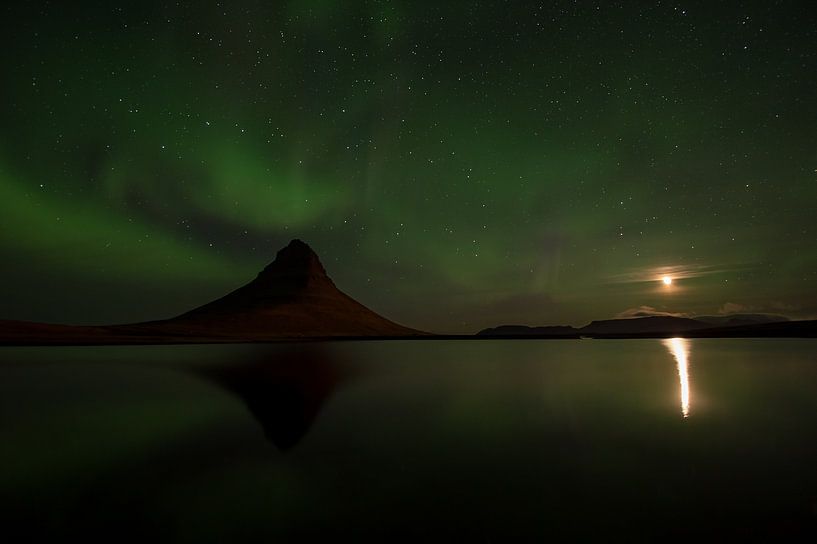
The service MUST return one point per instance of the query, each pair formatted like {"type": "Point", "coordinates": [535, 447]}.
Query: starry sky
{"type": "Point", "coordinates": [455, 164]}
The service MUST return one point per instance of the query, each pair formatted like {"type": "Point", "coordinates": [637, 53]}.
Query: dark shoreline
{"type": "Point", "coordinates": [796, 332]}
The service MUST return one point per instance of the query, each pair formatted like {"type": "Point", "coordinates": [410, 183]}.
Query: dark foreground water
{"type": "Point", "coordinates": [480, 441]}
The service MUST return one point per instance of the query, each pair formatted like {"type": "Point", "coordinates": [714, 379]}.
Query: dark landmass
{"type": "Point", "coordinates": [556, 331]}
{"type": "Point", "coordinates": [639, 325]}
{"type": "Point", "coordinates": [294, 299]}
{"type": "Point", "coordinates": [643, 325]}
{"type": "Point", "coordinates": [735, 320]}
{"type": "Point", "coordinates": [737, 326]}
{"type": "Point", "coordinates": [662, 325]}
{"type": "Point", "coordinates": [786, 329]}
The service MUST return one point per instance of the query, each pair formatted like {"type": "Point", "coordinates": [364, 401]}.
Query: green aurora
{"type": "Point", "coordinates": [456, 165]}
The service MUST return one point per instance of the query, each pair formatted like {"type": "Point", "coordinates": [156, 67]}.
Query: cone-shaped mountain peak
{"type": "Point", "coordinates": [296, 270]}
{"type": "Point", "coordinates": [296, 259]}
{"type": "Point", "coordinates": [292, 296]}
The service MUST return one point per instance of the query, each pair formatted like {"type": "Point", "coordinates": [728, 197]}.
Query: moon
{"type": "Point", "coordinates": [667, 280]}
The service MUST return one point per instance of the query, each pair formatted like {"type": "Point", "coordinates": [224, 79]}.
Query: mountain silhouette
{"type": "Point", "coordinates": [725, 326]}
{"type": "Point", "coordinates": [736, 320]}
{"type": "Point", "coordinates": [643, 325]}
{"type": "Point", "coordinates": [292, 297]}
{"type": "Point", "coordinates": [284, 392]}
{"type": "Point", "coordinates": [556, 331]}
{"type": "Point", "coordinates": [647, 326]}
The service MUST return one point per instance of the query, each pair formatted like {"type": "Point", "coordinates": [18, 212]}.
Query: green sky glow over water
{"type": "Point", "coordinates": [455, 164]}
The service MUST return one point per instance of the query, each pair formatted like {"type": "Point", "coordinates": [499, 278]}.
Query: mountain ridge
{"type": "Point", "coordinates": [292, 297]}
{"type": "Point", "coordinates": [650, 326]}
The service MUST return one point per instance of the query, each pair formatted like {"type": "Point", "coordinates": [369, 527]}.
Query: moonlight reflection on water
{"type": "Point", "coordinates": [679, 348]}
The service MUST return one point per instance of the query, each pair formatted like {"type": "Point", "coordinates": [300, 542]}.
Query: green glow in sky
{"type": "Point", "coordinates": [456, 165]}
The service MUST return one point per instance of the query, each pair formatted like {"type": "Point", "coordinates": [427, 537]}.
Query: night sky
{"type": "Point", "coordinates": [456, 165]}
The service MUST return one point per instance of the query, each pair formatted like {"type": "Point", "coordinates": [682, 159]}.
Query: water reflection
{"type": "Point", "coordinates": [679, 348]}
{"type": "Point", "coordinates": [283, 391]}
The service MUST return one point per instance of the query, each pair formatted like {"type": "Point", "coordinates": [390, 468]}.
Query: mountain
{"type": "Point", "coordinates": [642, 325]}
{"type": "Point", "coordinates": [292, 297]}
{"type": "Point", "coordinates": [777, 329]}
{"type": "Point", "coordinates": [648, 326]}
{"type": "Point", "coordinates": [758, 326]}
{"type": "Point", "coordinates": [523, 330]}
{"type": "Point", "coordinates": [735, 320]}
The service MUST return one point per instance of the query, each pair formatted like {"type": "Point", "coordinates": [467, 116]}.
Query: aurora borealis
{"type": "Point", "coordinates": [456, 165]}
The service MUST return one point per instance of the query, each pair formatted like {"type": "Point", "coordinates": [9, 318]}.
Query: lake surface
{"type": "Point", "coordinates": [479, 441]}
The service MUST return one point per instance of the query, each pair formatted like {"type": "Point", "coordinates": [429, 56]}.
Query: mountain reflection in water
{"type": "Point", "coordinates": [284, 392]}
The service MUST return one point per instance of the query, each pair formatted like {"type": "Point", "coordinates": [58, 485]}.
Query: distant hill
{"type": "Point", "coordinates": [523, 330]}
{"type": "Point", "coordinates": [780, 329]}
{"type": "Point", "coordinates": [650, 326]}
{"type": "Point", "coordinates": [643, 325]}
{"type": "Point", "coordinates": [665, 326]}
{"type": "Point", "coordinates": [735, 320]}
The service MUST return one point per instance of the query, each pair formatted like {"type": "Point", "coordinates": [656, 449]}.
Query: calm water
{"type": "Point", "coordinates": [480, 441]}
